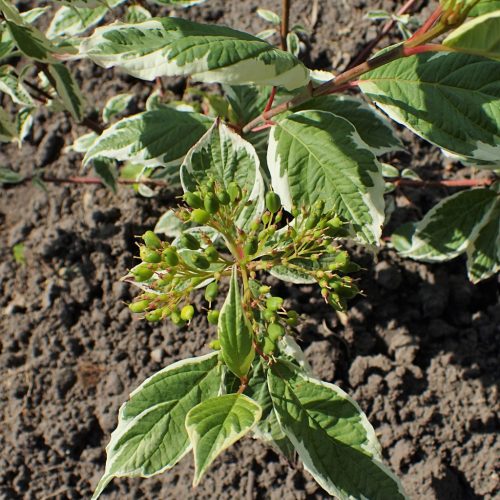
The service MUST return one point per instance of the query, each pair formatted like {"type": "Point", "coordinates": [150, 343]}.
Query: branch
{"type": "Point", "coordinates": [95, 180]}
{"type": "Point", "coordinates": [364, 54]}
{"type": "Point", "coordinates": [285, 20]}
{"type": "Point", "coordinates": [450, 183]}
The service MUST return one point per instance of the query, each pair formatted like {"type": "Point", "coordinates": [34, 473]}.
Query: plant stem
{"type": "Point", "coordinates": [285, 21]}
{"type": "Point", "coordinates": [363, 55]}
{"type": "Point", "coordinates": [446, 183]}
{"type": "Point", "coordinates": [96, 180]}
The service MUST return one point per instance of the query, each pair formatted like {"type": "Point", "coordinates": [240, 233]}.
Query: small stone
{"type": "Point", "coordinates": [66, 379]}
{"type": "Point", "coordinates": [157, 355]}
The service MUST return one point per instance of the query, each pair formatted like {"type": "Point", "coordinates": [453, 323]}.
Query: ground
{"type": "Point", "coordinates": [418, 350]}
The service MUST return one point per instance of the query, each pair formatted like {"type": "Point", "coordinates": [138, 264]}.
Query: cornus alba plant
{"type": "Point", "coordinates": [277, 162]}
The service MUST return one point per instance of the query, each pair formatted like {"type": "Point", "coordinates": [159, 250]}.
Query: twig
{"type": "Point", "coordinates": [449, 183]}
{"type": "Point", "coordinates": [285, 20]}
{"type": "Point", "coordinates": [364, 54]}
{"type": "Point", "coordinates": [96, 180]}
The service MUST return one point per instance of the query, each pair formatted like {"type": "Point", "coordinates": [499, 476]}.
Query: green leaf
{"type": "Point", "coordinates": [68, 21]}
{"type": "Point", "coordinates": [68, 90]}
{"type": "Point", "coordinates": [158, 137]}
{"type": "Point", "coordinates": [235, 331]}
{"type": "Point", "coordinates": [150, 436]}
{"type": "Point", "coordinates": [207, 53]}
{"type": "Point", "coordinates": [268, 428]}
{"type": "Point", "coordinates": [484, 6]}
{"type": "Point", "coordinates": [449, 227]}
{"type": "Point", "coordinates": [8, 176]}
{"type": "Point", "coordinates": [479, 36]}
{"type": "Point", "coordinates": [214, 425]}
{"type": "Point", "coordinates": [116, 105]}
{"type": "Point", "coordinates": [371, 126]}
{"type": "Point", "coordinates": [24, 122]}
{"type": "Point", "coordinates": [11, 85]}
{"type": "Point", "coordinates": [292, 275]}
{"type": "Point", "coordinates": [317, 155]}
{"type": "Point", "coordinates": [483, 253]}
{"type": "Point", "coordinates": [137, 13]}
{"type": "Point", "coordinates": [106, 170]}
{"type": "Point", "coordinates": [224, 156]}
{"type": "Point", "coordinates": [435, 97]}
{"type": "Point", "coordinates": [331, 435]}
{"type": "Point", "coordinates": [269, 16]}
{"type": "Point", "coordinates": [247, 101]}
{"type": "Point", "coordinates": [8, 131]}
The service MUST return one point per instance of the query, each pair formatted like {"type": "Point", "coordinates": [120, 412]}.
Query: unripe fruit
{"type": "Point", "coordinates": [266, 217]}
{"type": "Point", "coordinates": [223, 197]}
{"type": "Point", "coordinates": [139, 306]}
{"type": "Point", "coordinates": [154, 316]}
{"type": "Point", "coordinates": [193, 200]}
{"type": "Point", "coordinates": [264, 289]}
{"type": "Point", "coordinates": [200, 216]}
{"type": "Point", "coordinates": [312, 221]}
{"type": "Point", "coordinates": [211, 254]}
{"type": "Point", "coordinates": [189, 241]}
{"type": "Point", "coordinates": [142, 273]}
{"type": "Point", "coordinates": [151, 240]}
{"type": "Point", "coordinates": [251, 247]}
{"type": "Point", "coordinates": [275, 331]}
{"type": "Point", "coordinates": [187, 312]}
{"type": "Point", "coordinates": [234, 191]}
{"type": "Point", "coordinates": [170, 256]}
{"type": "Point", "coordinates": [269, 316]}
{"type": "Point", "coordinates": [215, 345]}
{"type": "Point", "coordinates": [213, 317]}
{"type": "Point", "coordinates": [211, 291]}
{"type": "Point", "coordinates": [211, 203]}
{"type": "Point", "coordinates": [176, 319]}
{"type": "Point", "coordinates": [274, 303]}
{"type": "Point", "coordinates": [293, 318]}
{"type": "Point", "coordinates": [319, 206]}
{"type": "Point", "coordinates": [269, 346]}
{"type": "Point", "coordinates": [200, 261]}
{"type": "Point", "coordinates": [273, 202]}
{"type": "Point", "coordinates": [150, 256]}
{"type": "Point", "coordinates": [255, 224]}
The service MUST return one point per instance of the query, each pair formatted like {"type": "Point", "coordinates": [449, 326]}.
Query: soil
{"type": "Point", "coordinates": [418, 351]}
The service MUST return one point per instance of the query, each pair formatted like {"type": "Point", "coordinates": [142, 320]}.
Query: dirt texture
{"type": "Point", "coordinates": [418, 351]}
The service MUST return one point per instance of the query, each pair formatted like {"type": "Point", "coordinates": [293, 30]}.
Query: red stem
{"type": "Point", "coordinates": [449, 183]}
{"type": "Point", "coordinates": [428, 24]}
{"type": "Point", "coordinates": [363, 55]}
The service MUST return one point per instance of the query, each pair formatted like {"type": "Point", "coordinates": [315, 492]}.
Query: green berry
{"type": "Point", "coordinates": [251, 246]}
{"type": "Point", "coordinates": [142, 272]}
{"type": "Point", "coordinates": [151, 240]}
{"type": "Point", "coordinates": [139, 306]}
{"type": "Point", "coordinates": [263, 289]}
{"type": "Point", "coordinates": [176, 319]}
{"type": "Point", "coordinates": [275, 331]}
{"type": "Point", "coordinates": [223, 197]}
{"type": "Point", "coordinates": [187, 312]}
{"type": "Point", "coordinates": [200, 261]}
{"type": "Point", "coordinates": [215, 345]}
{"type": "Point", "coordinates": [150, 256]}
{"type": "Point", "coordinates": [274, 303]}
{"type": "Point", "coordinates": [189, 241]}
{"type": "Point", "coordinates": [211, 291]}
{"type": "Point", "coordinates": [213, 317]}
{"type": "Point", "coordinates": [234, 191]}
{"type": "Point", "coordinates": [193, 200]}
{"type": "Point", "coordinates": [170, 256]}
{"type": "Point", "coordinates": [273, 202]}
{"type": "Point", "coordinates": [269, 346]}
{"type": "Point", "coordinates": [269, 316]}
{"type": "Point", "coordinates": [312, 221]}
{"type": "Point", "coordinates": [293, 318]}
{"type": "Point", "coordinates": [154, 316]}
{"type": "Point", "coordinates": [211, 254]}
{"type": "Point", "coordinates": [200, 216]}
{"type": "Point", "coordinates": [211, 203]}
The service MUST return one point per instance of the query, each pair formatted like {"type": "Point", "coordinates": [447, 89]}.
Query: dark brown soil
{"type": "Point", "coordinates": [419, 351]}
